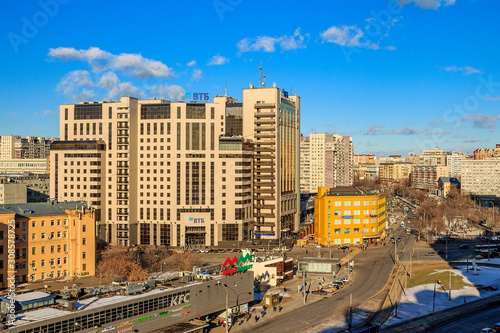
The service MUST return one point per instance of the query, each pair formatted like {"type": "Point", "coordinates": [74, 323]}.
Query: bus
{"type": "Point", "coordinates": [408, 231]}
{"type": "Point", "coordinates": [489, 247]}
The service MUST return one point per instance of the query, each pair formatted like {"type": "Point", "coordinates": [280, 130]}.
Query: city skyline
{"type": "Point", "coordinates": [397, 76]}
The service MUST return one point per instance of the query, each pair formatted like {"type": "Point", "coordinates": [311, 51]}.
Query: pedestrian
{"type": "Point", "coordinates": [280, 308]}
{"type": "Point", "coordinates": [465, 300]}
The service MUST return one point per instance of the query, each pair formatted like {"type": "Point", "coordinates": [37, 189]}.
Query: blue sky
{"type": "Point", "coordinates": [398, 76]}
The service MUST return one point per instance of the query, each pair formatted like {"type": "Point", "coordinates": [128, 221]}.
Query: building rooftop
{"type": "Point", "coordinates": [31, 296]}
{"type": "Point", "coordinates": [349, 191]}
{"type": "Point", "coordinates": [41, 208]}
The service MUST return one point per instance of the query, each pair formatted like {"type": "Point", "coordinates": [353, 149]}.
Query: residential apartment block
{"type": "Point", "coordinates": [183, 174]}
{"type": "Point", "coordinates": [348, 216]}
{"type": "Point", "coordinates": [365, 159]}
{"type": "Point", "coordinates": [328, 161]}
{"type": "Point", "coordinates": [481, 177]}
{"type": "Point", "coordinates": [391, 172]}
{"type": "Point", "coordinates": [425, 177]}
{"type": "Point", "coordinates": [15, 147]}
{"type": "Point", "coordinates": [52, 240]}
{"type": "Point", "coordinates": [454, 162]}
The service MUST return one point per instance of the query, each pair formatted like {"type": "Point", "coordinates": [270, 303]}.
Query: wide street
{"type": "Point", "coordinates": [372, 268]}
{"type": "Point", "coordinates": [472, 323]}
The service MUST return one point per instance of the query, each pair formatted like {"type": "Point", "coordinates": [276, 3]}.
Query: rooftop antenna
{"type": "Point", "coordinates": [260, 75]}
{"type": "Point", "coordinates": [225, 90]}
{"type": "Point", "coordinates": [264, 82]}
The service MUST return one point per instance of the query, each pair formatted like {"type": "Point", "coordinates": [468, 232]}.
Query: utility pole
{"type": "Point", "coordinates": [304, 284]}
{"type": "Point", "coordinates": [330, 249]}
{"type": "Point", "coordinates": [433, 303]}
{"type": "Point", "coordinates": [449, 298]}
{"type": "Point", "coordinates": [446, 245]}
{"type": "Point", "coordinates": [468, 258]}
{"type": "Point", "coordinates": [395, 250]}
{"type": "Point", "coordinates": [227, 310]}
{"type": "Point", "coordinates": [348, 265]}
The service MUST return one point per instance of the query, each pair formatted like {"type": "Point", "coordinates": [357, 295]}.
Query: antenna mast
{"type": "Point", "coordinates": [225, 90]}
{"type": "Point", "coordinates": [260, 75]}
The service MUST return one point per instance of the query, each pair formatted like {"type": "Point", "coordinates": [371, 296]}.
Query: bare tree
{"type": "Point", "coordinates": [182, 261]}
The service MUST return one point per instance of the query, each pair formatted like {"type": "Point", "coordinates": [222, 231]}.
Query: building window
{"type": "Point", "coordinates": [84, 241]}
{"type": "Point", "coordinates": [33, 236]}
{"type": "Point", "coordinates": [357, 203]}
{"type": "Point", "coordinates": [84, 255]}
{"type": "Point", "coordinates": [347, 203]}
{"type": "Point", "coordinates": [84, 228]}
{"type": "Point", "coordinates": [338, 203]}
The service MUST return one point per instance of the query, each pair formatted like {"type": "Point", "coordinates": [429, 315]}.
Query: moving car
{"type": "Point", "coordinates": [464, 246]}
{"type": "Point", "coordinates": [440, 252]}
{"type": "Point", "coordinates": [431, 253]}
{"type": "Point", "coordinates": [345, 247]}
{"type": "Point", "coordinates": [319, 292]}
{"type": "Point", "coordinates": [496, 327]}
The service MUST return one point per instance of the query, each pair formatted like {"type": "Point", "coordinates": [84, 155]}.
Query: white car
{"type": "Point", "coordinates": [488, 330]}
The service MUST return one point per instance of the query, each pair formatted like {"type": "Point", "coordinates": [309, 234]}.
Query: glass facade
{"type": "Point", "coordinates": [88, 111]}
{"type": "Point", "coordinates": [155, 111]}
{"type": "Point", "coordinates": [195, 111]}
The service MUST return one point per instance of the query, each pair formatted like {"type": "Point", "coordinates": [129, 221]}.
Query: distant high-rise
{"type": "Point", "coordinates": [328, 161]}
{"type": "Point", "coordinates": [15, 147]}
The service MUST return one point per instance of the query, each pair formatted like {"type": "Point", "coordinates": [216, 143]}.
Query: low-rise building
{"type": "Point", "coordinates": [348, 216]}
{"type": "Point", "coordinates": [274, 271]}
{"type": "Point", "coordinates": [446, 184]}
{"type": "Point", "coordinates": [52, 240]}
{"type": "Point", "coordinates": [12, 193]}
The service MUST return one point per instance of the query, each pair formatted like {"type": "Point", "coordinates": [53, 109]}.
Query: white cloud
{"type": "Point", "coordinates": [116, 89]}
{"type": "Point", "coordinates": [99, 60]}
{"type": "Point", "coordinates": [492, 99]}
{"type": "Point", "coordinates": [427, 4]}
{"type": "Point", "coordinates": [197, 73]}
{"type": "Point", "coordinates": [483, 121]}
{"type": "Point", "coordinates": [171, 92]}
{"type": "Point", "coordinates": [73, 81]}
{"type": "Point", "coordinates": [50, 113]}
{"type": "Point", "coordinates": [218, 60]}
{"type": "Point", "coordinates": [268, 43]}
{"type": "Point", "coordinates": [471, 140]}
{"type": "Point", "coordinates": [467, 70]}
{"type": "Point", "coordinates": [191, 63]}
{"type": "Point", "coordinates": [352, 36]}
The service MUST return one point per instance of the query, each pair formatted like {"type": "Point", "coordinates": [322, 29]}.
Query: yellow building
{"type": "Point", "coordinates": [348, 216]}
{"type": "Point", "coordinates": [52, 240]}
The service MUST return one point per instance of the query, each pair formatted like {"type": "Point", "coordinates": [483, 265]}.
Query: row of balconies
{"type": "Point", "coordinates": [264, 114]}
{"type": "Point", "coordinates": [264, 105]}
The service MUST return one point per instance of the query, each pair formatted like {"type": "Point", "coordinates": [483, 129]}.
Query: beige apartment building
{"type": "Point", "coordinates": [391, 172]}
{"type": "Point", "coordinates": [481, 177]}
{"type": "Point", "coordinates": [305, 164]}
{"type": "Point", "coordinates": [165, 173]}
{"type": "Point", "coordinates": [35, 166]}
{"type": "Point", "coordinates": [328, 161]}
{"type": "Point", "coordinates": [52, 240]}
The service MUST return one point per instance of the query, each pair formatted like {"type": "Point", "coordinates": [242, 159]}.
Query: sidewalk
{"type": "Point", "coordinates": [292, 299]}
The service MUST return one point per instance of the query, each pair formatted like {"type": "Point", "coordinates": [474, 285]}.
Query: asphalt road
{"type": "Point", "coordinates": [372, 269]}
{"type": "Point", "coordinates": [473, 323]}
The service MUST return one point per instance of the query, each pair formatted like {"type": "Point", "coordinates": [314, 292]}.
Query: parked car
{"type": "Point", "coordinates": [432, 253]}
{"type": "Point", "coordinates": [345, 247]}
{"type": "Point", "coordinates": [464, 246]}
{"type": "Point", "coordinates": [319, 292]}
{"type": "Point", "coordinates": [440, 252]}
{"type": "Point", "coordinates": [488, 330]}
{"type": "Point", "coordinates": [496, 327]}
{"type": "Point", "coordinates": [342, 280]}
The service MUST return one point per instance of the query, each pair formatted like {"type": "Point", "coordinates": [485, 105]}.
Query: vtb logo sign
{"type": "Point", "coordinates": [236, 264]}
{"type": "Point", "coordinates": [197, 220]}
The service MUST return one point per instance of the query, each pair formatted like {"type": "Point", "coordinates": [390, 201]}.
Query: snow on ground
{"type": "Point", "coordinates": [418, 301]}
